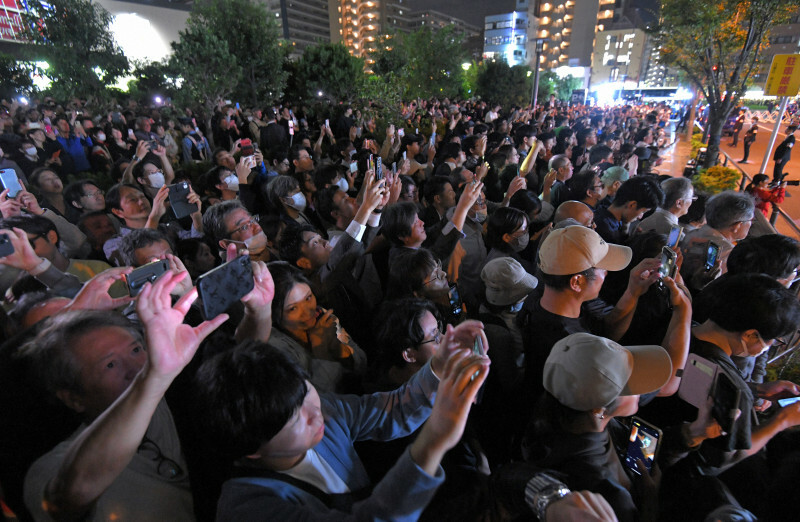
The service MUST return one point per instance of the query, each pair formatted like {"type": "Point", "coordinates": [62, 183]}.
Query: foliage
{"type": "Point", "coordinates": [327, 68]}
{"type": "Point", "coordinates": [151, 79]}
{"type": "Point", "coordinates": [716, 179]}
{"type": "Point", "coordinates": [470, 80]}
{"type": "Point", "coordinates": [697, 143]}
{"type": "Point", "coordinates": [551, 83]}
{"type": "Point", "coordinates": [208, 71]}
{"type": "Point", "coordinates": [73, 36]}
{"type": "Point", "coordinates": [426, 63]}
{"type": "Point", "coordinates": [15, 79]}
{"type": "Point", "coordinates": [499, 83]}
{"type": "Point", "coordinates": [383, 97]}
{"type": "Point", "coordinates": [251, 35]}
{"type": "Point", "coordinates": [718, 44]}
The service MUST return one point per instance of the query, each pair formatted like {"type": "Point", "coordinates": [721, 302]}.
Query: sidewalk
{"type": "Point", "coordinates": [675, 157]}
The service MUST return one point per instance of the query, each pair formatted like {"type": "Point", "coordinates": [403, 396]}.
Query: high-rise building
{"type": "Point", "coordinates": [619, 55]}
{"type": "Point", "coordinates": [505, 36]}
{"type": "Point", "coordinates": [305, 23]}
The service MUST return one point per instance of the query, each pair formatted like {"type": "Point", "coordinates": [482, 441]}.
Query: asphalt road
{"type": "Point", "coordinates": [792, 203]}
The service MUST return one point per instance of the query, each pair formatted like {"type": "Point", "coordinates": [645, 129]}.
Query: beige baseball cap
{"type": "Point", "coordinates": [572, 250]}
{"type": "Point", "coordinates": [585, 372]}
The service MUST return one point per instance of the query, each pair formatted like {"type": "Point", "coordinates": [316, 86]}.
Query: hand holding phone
{"type": "Point", "coordinates": [179, 200]}
{"type": "Point", "coordinates": [219, 288]}
{"type": "Point", "coordinates": [643, 445]}
{"type": "Point", "coordinates": [712, 253]}
{"type": "Point", "coordinates": [10, 181]}
{"type": "Point", "coordinates": [148, 273]}
{"type": "Point", "coordinates": [669, 262]}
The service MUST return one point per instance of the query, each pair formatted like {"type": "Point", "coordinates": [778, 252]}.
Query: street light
{"type": "Point", "coordinates": [535, 94]}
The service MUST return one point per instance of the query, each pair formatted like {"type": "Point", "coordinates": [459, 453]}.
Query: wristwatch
{"type": "Point", "coordinates": [541, 490]}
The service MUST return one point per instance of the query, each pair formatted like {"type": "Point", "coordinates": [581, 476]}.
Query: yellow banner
{"type": "Point", "coordinates": [784, 75]}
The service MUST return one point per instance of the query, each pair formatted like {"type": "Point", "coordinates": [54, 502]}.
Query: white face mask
{"type": "Point", "coordinates": [156, 179]}
{"type": "Point", "coordinates": [232, 182]}
{"type": "Point", "coordinates": [257, 243]}
{"type": "Point", "coordinates": [520, 243]}
{"type": "Point", "coordinates": [30, 151]}
{"type": "Point", "coordinates": [342, 184]}
{"type": "Point", "coordinates": [298, 202]}
{"type": "Point", "coordinates": [101, 136]}
{"type": "Point", "coordinates": [480, 216]}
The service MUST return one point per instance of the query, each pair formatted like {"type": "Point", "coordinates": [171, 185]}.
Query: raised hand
{"type": "Point", "coordinates": [263, 288]}
{"type": "Point", "coordinates": [94, 294]}
{"type": "Point", "coordinates": [170, 343]}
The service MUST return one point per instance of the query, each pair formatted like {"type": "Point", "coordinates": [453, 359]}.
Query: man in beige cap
{"type": "Point", "coordinates": [574, 262]}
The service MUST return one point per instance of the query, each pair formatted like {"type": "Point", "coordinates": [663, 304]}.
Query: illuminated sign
{"type": "Point", "coordinates": [784, 75]}
{"type": "Point", "coordinates": [11, 20]}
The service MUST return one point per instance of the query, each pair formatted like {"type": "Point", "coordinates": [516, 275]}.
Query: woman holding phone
{"type": "Point", "coordinates": [311, 333]}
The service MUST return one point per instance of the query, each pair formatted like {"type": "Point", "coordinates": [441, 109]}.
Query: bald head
{"type": "Point", "coordinates": [576, 210]}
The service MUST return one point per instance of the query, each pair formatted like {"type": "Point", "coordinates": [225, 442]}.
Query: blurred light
{"type": "Point", "coordinates": [158, 99]}
{"type": "Point", "coordinates": [466, 66]}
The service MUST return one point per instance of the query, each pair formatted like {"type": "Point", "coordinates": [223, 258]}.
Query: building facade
{"type": "Point", "coordinates": [505, 37]}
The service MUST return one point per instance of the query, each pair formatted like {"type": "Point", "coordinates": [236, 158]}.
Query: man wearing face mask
{"type": "Point", "coordinates": [224, 180]}
{"type": "Point", "coordinates": [284, 194]}
{"type": "Point", "coordinates": [464, 265]}
{"type": "Point", "coordinates": [150, 168]}
{"type": "Point", "coordinates": [27, 158]}
{"type": "Point", "coordinates": [229, 223]}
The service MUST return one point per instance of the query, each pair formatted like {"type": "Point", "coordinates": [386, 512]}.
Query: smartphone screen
{"type": "Point", "coordinates": [785, 402]}
{"type": "Point", "coordinates": [11, 182]}
{"type": "Point", "coordinates": [674, 236]}
{"type": "Point", "coordinates": [712, 251]}
{"type": "Point", "coordinates": [642, 445]}
{"type": "Point", "coordinates": [668, 262]}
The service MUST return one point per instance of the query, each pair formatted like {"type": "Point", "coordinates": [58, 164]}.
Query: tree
{"type": "Point", "coordinates": [251, 34]}
{"type": "Point", "coordinates": [499, 83]}
{"type": "Point", "coordinates": [152, 79]}
{"type": "Point", "coordinates": [326, 68]}
{"type": "Point", "coordinates": [718, 45]}
{"type": "Point", "coordinates": [15, 79]}
{"type": "Point", "coordinates": [551, 83]}
{"type": "Point", "coordinates": [74, 38]}
{"type": "Point", "coordinates": [208, 71]}
{"type": "Point", "coordinates": [426, 63]}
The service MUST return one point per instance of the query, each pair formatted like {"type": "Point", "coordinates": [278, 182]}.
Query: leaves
{"type": "Point", "coordinates": [329, 69]}
{"type": "Point", "coordinates": [74, 37]}
{"type": "Point", "coordinates": [718, 44]}
{"type": "Point", "coordinates": [499, 83]}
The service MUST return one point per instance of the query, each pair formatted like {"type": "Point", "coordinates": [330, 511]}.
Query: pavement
{"type": "Point", "coordinates": [678, 154]}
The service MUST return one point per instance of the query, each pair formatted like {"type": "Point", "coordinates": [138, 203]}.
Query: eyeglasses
{"type": "Point", "coordinates": [437, 337]}
{"type": "Point", "coordinates": [244, 226]}
{"type": "Point", "coordinates": [94, 194]}
{"type": "Point", "coordinates": [438, 275]}
{"type": "Point", "coordinates": [166, 467]}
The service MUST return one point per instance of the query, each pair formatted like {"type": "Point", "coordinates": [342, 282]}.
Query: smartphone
{"type": "Point", "coordinates": [669, 262]}
{"type": "Point", "coordinates": [10, 181]}
{"type": "Point", "coordinates": [291, 127]}
{"type": "Point", "coordinates": [247, 147]}
{"type": "Point", "coordinates": [712, 252]}
{"type": "Point", "coordinates": [371, 164]}
{"type": "Point", "coordinates": [455, 300]}
{"type": "Point", "coordinates": [697, 377]}
{"type": "Point", "coordinates": [237, 106]}
{"type": "Point", "coordinates": [394, 167]}
{"type": "Point", "coordinates": [433, 139]}
{"type": "Point", "coordinates": [674, 237]}
{"type": "Point", "coordinates": [144, 274]}
{"type": "Point", "coordinates": [130, 133]}
{"type": "Point", "coordinates": [477, 349]}
{"type": "Point", "coordinates": [353, 167]}
{"type": "Point", "coordinates": [6, 248]}
{"type": "Point", "coordinates": [401, 133]}
{"type": "Point", "coordinates": [219, 288]}
{"type": "Point", "coordinates": [726, 401]}
{"type": "Point", "coordinates": [250, 162]}
{"type": "Point", "coordinates": [379, 168]}
{"type": "Point", "coordinates": [56, 154]}
{"type": "Point", "coordinates": [404, 155]}
{"type": "Point", "coordinates": [328, 123]}
{"type": "Point", "coordinates": [48, 129]}
{"type": "Point", "coordinates": [781, 402]}
{"type": "Point", "coordinates": [179, 200]}
{"type": "Point", "coordinates": [642, 445]}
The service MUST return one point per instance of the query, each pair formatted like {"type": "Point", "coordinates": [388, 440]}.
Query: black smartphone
{"type": "Point", "coordinates": [10, 181]}
{"type": "Point", "coordinates": [674, 236]}
{"type": "Point", "coordinates": [179, 200]}
{"type": "Point", "coordinates": [669, 262]}
{"type": "Point", "coordinates": [6, 248]}
{"type": "Point", "coordinates": [455, 300]}
{"type": "Point", "coordinates": [726, 401]}
{"type": "Point", "coordinates": [145, 273]}
{"type": "Point", "coordinates": [712, 252]}
{"type": "Point", "coordinates": [219, 288]}
{"type": "Point", "coordinates": [642, 445]}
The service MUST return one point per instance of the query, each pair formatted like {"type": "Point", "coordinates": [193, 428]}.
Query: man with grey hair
{"type": "Point", "coordinates": [678, 196]}
{"type": "Point", "coordinates": [229, 223]}
{"type": "Point", "coordinates": [729, 215]}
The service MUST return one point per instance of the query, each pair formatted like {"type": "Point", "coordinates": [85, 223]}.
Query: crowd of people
{"type": "Point", "coordinates": [452, 316]}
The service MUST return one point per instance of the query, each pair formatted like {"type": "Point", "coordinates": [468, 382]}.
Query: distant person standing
{"type": "Point", "coordinates": [783, 153]}
{"type": "Point", "coordinates": [737, 128]}
{"type": "Point", "coordinates": [749, 139]}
